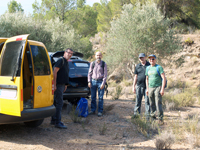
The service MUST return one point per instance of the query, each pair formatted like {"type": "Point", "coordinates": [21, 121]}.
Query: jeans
{"type": "Point", "coordinates": [96, 84]}
{"type": "Point", "coordinates": [140, 92]}
{"type": "Point", "coordinates": [156, 102]}
{"type": "Point", "coordinates": [58, 102]}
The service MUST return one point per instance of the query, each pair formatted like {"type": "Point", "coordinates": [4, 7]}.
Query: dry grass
{"type": "Point", "coordinates": [147, 128]}
{"type": "Point", "coordinates": [117, 93]}
{"type": "Point", "coordinates": [165, 140]}
{"type": "Point", "coordinates": [74, 115]}
{"type": "Point", "coordinates": [176, 83]}
{"type": "Point", "coordinates": [102, 129]}
{"type": "Point", "coordinates": [185, 130]}
{"type": "Point", "coordinates": [183, 99]}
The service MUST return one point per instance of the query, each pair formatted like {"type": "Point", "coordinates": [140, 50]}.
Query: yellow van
{"type": "Point", "coordinates": [26, 81]}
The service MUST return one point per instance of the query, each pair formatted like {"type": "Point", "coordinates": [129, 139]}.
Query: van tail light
{"type": "Point", "coordinates": [21, 94]}
{"type": "Point", "coordinates": [32, 90]}
{"type": "Point", "coordinates": [52, 87]}
{"type": "Point", "coordinates": [18, 39]}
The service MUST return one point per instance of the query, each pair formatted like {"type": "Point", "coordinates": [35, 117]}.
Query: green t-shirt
{"type": "Point", "coordinates": [153, 76]}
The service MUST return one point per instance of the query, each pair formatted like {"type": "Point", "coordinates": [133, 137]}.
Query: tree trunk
{"type": "Point", "coordinates": [164, 9]}
{"type": "Point", "coordinates": [131, 69]}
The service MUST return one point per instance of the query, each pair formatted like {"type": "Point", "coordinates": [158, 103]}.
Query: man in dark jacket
{"type": "Point", "coordinates": [61, 80]}
{"type": "Point", "coordinates": [140, 89]}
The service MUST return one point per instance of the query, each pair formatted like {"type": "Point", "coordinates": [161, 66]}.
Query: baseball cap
{"type": "Point", "coordinates": [141, 55]}
{"type": "Point", "coordinates": [152, 55]}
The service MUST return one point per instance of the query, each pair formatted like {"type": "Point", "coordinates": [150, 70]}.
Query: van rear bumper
{"type": "Point", "coordinates": [29, 115]}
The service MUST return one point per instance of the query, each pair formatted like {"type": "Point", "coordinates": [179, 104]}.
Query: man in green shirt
{"type": "Point", "coordinates": [155, 85]}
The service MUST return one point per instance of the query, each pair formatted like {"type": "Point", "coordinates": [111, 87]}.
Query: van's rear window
{"type": "Point", "coordinates": [11, 58]}
{"type": "Point", "coordinates": [40, 60]}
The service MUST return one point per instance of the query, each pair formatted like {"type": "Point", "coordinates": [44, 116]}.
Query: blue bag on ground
{"type": "Point", "coordinates": [82, 107]}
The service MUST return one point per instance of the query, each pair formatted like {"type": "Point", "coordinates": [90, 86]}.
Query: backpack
{"type": "Point", "coordinates": [158, 74]}
{"type": "Point", "coordinates": [103, 65]}
{"type": "Point", "coordinates": [82, 107]}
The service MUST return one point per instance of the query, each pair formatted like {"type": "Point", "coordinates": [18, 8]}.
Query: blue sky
{"type": "Point", "coordinates": [27, 5]}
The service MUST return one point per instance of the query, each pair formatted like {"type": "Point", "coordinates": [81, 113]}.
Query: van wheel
{"type": "Point", "coordinates": [34, 123]}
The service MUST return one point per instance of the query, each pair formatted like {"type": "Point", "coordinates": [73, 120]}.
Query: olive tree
{"type": "Point", "coordinates": [140, 28]}
{"type": "Point", "coordinates": [55, 34]}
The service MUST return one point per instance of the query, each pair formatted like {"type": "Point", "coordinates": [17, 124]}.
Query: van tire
{"type": "Point", "coordinates": [34, 123]}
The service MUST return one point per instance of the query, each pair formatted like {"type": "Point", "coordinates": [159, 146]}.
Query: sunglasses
{"type": "Point", "coordinates": [69, 52]}
{"type": "Point", "coordinates": [152, 59]}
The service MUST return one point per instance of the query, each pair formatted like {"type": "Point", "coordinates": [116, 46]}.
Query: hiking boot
{"type": "Point", "coordinates": [153, 117]}
{"type": "Point", "coordinates": [53, 122]}
{"type": "Point", "coordinates": [99, 114]}
{"type": "Point", "coordinates": [135, 116]}
{"type": "Point", "coordinates": [60, 125]}
{"type": "Point", "coordinates": [91, 113]}
{"type": "Point", "coordinates": [160, 122]}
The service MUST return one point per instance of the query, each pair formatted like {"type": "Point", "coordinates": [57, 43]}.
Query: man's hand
{"type": "Point", "coordinates": [102, 86]}
{"type": "Point", "coordinates": [134, 90]}
{"type": "Point", "coordinates": [65, 88]}
{"type": "Point", "coordinates": [161, 92]}
{"type": "Point", "coordinates": [147, 92]}
{"type": "Point", "coordinates": [55, 88]}
{"type": "Point", "coordinates": [89, 85]}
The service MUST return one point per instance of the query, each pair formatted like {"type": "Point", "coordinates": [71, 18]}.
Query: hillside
{"type": "Point", "coordinates": [116, 130]}
{"type": "Point", "coordinates": [188, 64]}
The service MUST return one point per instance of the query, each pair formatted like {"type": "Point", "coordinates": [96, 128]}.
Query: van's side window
{"type": "Point", "coordinates": [40, 60]}
{"type": "Point", "coordinates": [10, 61]}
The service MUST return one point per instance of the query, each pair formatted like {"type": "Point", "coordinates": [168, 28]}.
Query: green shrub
{"type": "Point", "coordinates": [112, 84]}
{"type": "Point", "coordinates": [117, 92]}
{"type": "Point", "coordinates": [176, 83]}
{"type": "Point", "coordinates": [74, 115]}
{"type": "Point", "coordinates": [153, 35]}
{"type": "Point", "coordinates": [147, 128]}
{"type": "Point", "coordinates": [184, 99]}
{"type": "Point", "coordinates": [55, 34]}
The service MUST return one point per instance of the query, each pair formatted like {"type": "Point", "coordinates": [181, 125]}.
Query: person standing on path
{"type": "Point", "coordinates": [155, 87]}
{"type": "Point", "coordinates": [61, 80]}
{"type": "Point", "coordinates": [97, 76]}
{"type": "Point", "coordinates": [140, 89]}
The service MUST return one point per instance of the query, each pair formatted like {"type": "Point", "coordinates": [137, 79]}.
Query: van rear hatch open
{"type": "Point", "coordinates": [11, 89]}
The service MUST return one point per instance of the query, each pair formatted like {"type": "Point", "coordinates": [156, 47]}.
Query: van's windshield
{"type": "Point", "coordinates": [11, 58]}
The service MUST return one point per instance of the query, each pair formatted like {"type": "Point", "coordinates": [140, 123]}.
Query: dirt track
{"type": "Point", "coordinates": [120, 133]}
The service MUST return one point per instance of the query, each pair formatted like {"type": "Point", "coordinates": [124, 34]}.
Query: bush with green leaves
{"type": "Point", "coordinates": [117, 92]}
{"type": "Point", "coordinates": [140, 28]}
{"type": "Point", "coordinates": [55, 34]}
{"type": "Point", "coordinates": [144, 126]}
{"type": "Point", "coordinates": [184, 99]}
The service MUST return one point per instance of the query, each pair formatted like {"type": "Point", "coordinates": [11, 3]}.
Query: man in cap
{"type": "Point", "coordinates": [155, 83]}
{"type": "Point", "coordinates": [140, 89]}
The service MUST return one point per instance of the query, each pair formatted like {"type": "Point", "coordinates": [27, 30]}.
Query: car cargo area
{"type": "Point", "coordinates": [78, 82]}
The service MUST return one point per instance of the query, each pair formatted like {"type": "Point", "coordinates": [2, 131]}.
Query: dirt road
{"type": "Point", "coordinates": [112, 131]}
